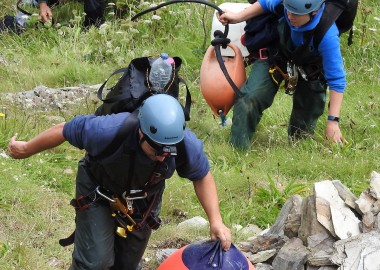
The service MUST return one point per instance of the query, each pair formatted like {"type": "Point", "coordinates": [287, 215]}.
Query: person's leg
{"type": "Point", "coordinates": [94, 239]}
{"type": "Point", "coordinates": [52, 3]}
{"type": "Point", "coordinates": [94, 10]}
{"type": "Point", "coordinates": [129, 251]}
{"type": "Point", "coordinates": [258, 93]}
{"type": "Point", "coordinates": [308, 105]}
{"type": "Point", "coordinates": [95, 230]}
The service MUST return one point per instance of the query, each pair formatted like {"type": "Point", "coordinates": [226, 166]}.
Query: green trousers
{"type": "Point", "coordinates": [259, 91]}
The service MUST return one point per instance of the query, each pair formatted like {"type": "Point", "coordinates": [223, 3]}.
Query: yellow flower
{"type": "Point", "coordinates": [2, 114]}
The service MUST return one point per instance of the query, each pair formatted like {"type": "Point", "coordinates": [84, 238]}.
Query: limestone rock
{"type": "Point", "coordinates": [347, 196]}
{"type": "Point", "coordinates": [361, 252]}
{"type": "Point", "coordinates": [344, 221]}
{"type": "Point", "coordinates": [292, 256]}
{"type": "Point", "coordinates": [375, 185]}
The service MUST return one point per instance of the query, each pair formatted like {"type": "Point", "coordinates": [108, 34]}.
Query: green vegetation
{"type": "Point", "coordinates": [35, 192]}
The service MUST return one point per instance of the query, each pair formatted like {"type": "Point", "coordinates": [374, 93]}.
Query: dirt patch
{"type": "Point", "coordinates": [171, 243]}
{"type": "Point", "coordinates": [150, 260]}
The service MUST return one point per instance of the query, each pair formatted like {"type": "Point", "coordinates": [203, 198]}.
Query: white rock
{"type": "Point", "coordinates": [193, 222]}
{"type": "Point", "coordinates": [344, 221]}
{"type": "Point", "coordinates": [3, 155]}
{"type": "Point", "coordinates": [375, 185]}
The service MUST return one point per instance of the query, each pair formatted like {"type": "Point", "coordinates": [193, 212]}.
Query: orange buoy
{"type": "Point", "coordinates": [206, 255]}
{"type": "Point", "coordinates": [174, 261]}
{"type": "Point", "coordinates": [215, 88]}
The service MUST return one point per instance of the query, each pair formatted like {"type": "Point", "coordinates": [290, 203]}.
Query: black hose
{"type": "Point", "coordinates": [225, 71]}
{"type": "Point", "coordinates": [181, 1]}
{"type": "Point", "coordinates": [21, 9]}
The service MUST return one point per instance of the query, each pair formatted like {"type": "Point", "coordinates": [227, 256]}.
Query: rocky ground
{"type": "Point", "coordinates": [44, 99]}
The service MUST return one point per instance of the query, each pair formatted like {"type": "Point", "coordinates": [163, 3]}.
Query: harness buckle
{"type": "Point", "coordinates": [83, 202]}
{"type": "Point", "coordinates": [135, 194]}
{"type": "Point", "coordinates": [103, 195]}
{"type": "Point", "coordinates": [291, 82]}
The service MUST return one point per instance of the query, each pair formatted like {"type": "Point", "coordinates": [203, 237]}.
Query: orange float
{"type": "Point", "coordinates": [215, 88]}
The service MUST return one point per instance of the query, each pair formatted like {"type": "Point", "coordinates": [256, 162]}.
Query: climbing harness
{"type": "Point", "coordinates": [128, 215]}
{"type": "Point", "coordinates": [290, 77]}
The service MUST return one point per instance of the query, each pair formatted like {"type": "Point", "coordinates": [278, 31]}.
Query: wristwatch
{"type": "Point", "coordinates": [333, 118]}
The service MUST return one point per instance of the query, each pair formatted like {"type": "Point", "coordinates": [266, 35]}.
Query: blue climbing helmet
{"type": "Point", "coordinates": [302, 7]}
{"type": "Point", "coordinates": [162, 119]}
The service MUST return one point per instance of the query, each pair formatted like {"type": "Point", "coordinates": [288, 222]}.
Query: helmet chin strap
{"type": "Point", "coordinates": [311, 16]}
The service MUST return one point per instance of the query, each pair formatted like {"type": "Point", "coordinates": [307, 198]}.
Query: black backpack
{"type": "Point", "coordinates": [132, 88]}
{"type": "Point", "coordinates": [261, 31]}
{"type": "Point", "coordinates": [343, 13]}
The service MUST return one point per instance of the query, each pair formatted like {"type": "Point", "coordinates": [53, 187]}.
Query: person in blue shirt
{"type": "Point", "coordinates": [307, 73]}
{"type": "Point", "coordinates": [128, 158]}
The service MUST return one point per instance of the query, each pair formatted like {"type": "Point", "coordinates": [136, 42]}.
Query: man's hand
{"type": "Point", "coordinates": [221, 232]}
{"type": "Point", "coordinates": [17, 149]}
{"type": "Point", "coordinates": [333, 132]}
{"type": "Point", "coordinates": [45, 12]}
{"type": "Point", "coordinates": [47, 139]}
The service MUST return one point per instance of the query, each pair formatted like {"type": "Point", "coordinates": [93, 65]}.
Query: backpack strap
{"type": "Point", "coordinates": [330, 15]}
{"type": "Point", "coordinates": [114, 98]}
{"type": "Point", "coordinates": [122, 133]}
{"type": "Point", "coordinates": [186, 109]}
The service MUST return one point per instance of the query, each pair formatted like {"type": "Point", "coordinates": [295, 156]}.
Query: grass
{"type": "Point", "coordinates": [253, 185]}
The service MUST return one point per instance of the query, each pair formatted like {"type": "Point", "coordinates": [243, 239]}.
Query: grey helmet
{"type": "Point", "coordinates": [302, 7]}
{"type": "Point", "coordinates": [162, 119]}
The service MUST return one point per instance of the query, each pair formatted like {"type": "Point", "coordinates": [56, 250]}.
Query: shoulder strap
{"type": "Point", "coordinates": [114, 98]}
{"type": "Point", "coordinates": [279, 10]}
{"type": "Point", "coordinates": [181, 157]}
{"type": "Point", "coordinates": [122, 133]}
{"type": "Point", "coordinates": [186, 109]}
{"type": "Point", "coordinates": [330, 15]}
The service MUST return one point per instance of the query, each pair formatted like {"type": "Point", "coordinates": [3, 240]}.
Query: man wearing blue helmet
{"type": "Point", "coordinates": [306, 68]}
{"type": "Point", "coordinates": [148, 146]}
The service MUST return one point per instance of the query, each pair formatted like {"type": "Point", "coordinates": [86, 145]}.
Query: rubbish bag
{"type": "Point", "coordinates": [206, 255]}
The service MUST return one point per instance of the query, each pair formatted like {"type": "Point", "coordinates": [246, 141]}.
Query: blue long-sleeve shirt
{"type": "Point", "coordinates": [329, 47]}
{"type": "Point", "coordinates": [95, 133]}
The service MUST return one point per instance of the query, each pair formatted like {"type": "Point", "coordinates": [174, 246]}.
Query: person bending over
{"type": "Point", "coordinates": [309, 69]}
{"type": "Point", "coordinates": [128, 158]}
